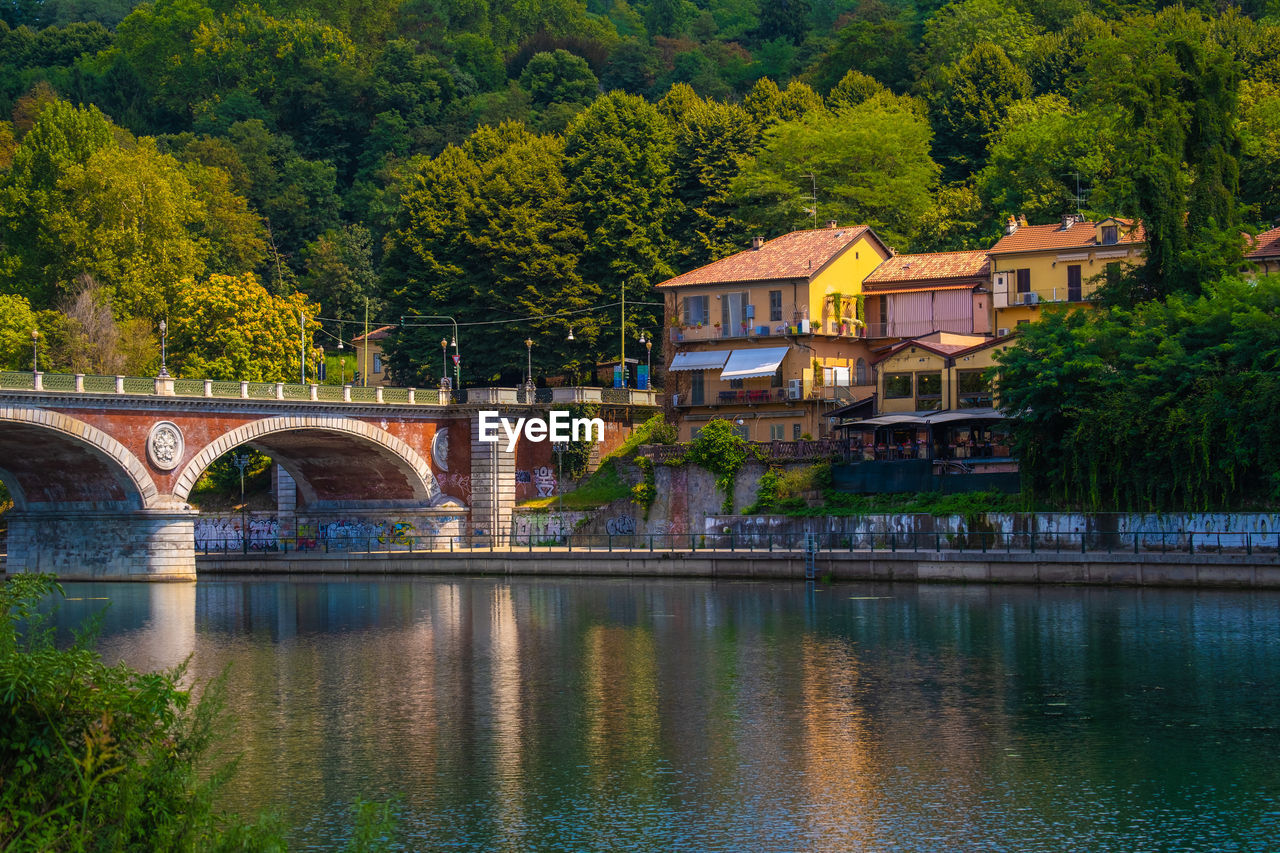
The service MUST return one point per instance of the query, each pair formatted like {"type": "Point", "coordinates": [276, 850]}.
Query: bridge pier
{"type": "Point", "coordinates": [104, 545]}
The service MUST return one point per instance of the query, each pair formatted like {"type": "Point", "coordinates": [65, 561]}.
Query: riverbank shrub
{"type": "Point", "coordinates": [97, 757]}
{"type": "Point", "coordinates": [1172, 405]}
{"type": "Point", "coordinates": [719, 449]}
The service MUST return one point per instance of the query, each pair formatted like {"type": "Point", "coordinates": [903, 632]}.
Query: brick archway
{"type": "Point", "coordinates": [126, 473]}
{"type": "Point", "coordinates": [418, 478]}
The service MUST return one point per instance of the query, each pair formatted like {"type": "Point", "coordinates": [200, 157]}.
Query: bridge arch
{"type": "Point", "coordinates": [47, 457]}
{"type": "Point", "coordinates": [331, 458]}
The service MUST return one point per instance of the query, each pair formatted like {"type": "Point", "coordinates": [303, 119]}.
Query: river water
{"type": "Point", "coordinates": [687, 715]}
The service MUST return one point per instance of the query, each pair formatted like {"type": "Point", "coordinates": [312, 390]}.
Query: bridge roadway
{"type": "Point", "coordinates": [100, 469]}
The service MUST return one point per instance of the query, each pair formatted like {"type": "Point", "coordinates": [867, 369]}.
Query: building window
{"type": "Point", "coordinates": [1024, 281]}
{"type": "Point", "coordinates": [795, 432]}
{"type": "Point", "coordinates": [735, 383]}
{"type": "Point", "coordinates": [897, 386]}
{"type": "Point", "coordinates": [1110, 235]}
{"type": "Point", "coordinates": [733, 314]}
{"type": "Point", "coordinates": [743, 430]}
{"type": "Point", "coordinates": [777, 432]}
{"type": "Point", "coordinates": [1073, 283]}
{"type": "Point", "coordinates": [775, 381]}
{"type": "Point", "coordinates": [697, 310]}
{"type": "Point", "coordinates": [972, 391]}
{"type": "Point", "coordinates": [861, 372]}
{"type": "Point", "coordinates": [377, 362]}
{"type": "Point", "coordinates": [697, 394]}
{"type": "Point", "coordinates": [928, 391]}
{"type": "Point", "coordinates": [775, 306]}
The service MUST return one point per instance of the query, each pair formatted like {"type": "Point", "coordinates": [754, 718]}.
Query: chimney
{"type": "Point", "coordinates": [1022, 221]}
{"type": "Point", "coordinates": [1011, 226]}
{"type": "Point", "coordinates": [831, 223]}
{"type": "Point", "coordinates": [757, 242]}
{"type": "Point", "coordinates": [1068, 220]}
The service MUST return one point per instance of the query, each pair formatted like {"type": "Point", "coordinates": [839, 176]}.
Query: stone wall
{"type": "Point", "coordinates": [139, 545]}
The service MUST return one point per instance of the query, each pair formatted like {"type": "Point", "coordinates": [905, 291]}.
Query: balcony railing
{"type": "Point", "coordinates": [755, 329]}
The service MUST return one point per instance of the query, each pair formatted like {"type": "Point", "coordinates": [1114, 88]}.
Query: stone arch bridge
{"type": "Point", "coordinates": [100, 480]}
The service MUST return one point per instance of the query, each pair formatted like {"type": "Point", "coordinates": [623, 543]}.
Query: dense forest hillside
{"type": "Point", "coordinates": [520, 166]}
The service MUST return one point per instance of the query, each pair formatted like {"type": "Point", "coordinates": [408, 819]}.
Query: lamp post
{"type": "Point", "coordinates": [560, 447]}
{"type": "Point", "coordinates": [241, 461]}
{"type": "Point", "coordinates": [528, 370]}
{"type": "Point", "coordinates": [164, 340]}
{"type": "Point", "coordinates": [622, 338]}
{"type": "Point", "coordinates": [648, 364]}
{"type": "Point", "coordinates": [457, 360]}
{"type": "Point", "coordinates": [444, 364]}
{"type": "Point", "coordinates": [35, 352]}
{"type": "Point", "coordinates": [342, 359]}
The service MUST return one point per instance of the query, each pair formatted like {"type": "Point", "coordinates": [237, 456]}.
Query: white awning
{"type": "Point", "coordinates": [711, 359]}
{"type": "Point", "coordinates": [965, 415]}
{"type": "Point", "coordinates": [746, 363]}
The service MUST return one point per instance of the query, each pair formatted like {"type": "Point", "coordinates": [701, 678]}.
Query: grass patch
{"type": "Point", "coordinates": [606, 485]}
{"type": "Point", "coordinates": [930, 503]}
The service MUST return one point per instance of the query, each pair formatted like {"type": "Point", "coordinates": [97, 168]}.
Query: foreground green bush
{"type": "Point", "coordinates": [97, 757]}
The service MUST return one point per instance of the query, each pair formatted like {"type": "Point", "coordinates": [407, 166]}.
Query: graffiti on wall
{"type": "Point", "coordinates": [533, 528]}
{"type": "Point", "coordinates": [215, 533]}
{"type": "Point", "coordinates": [620, 525]}
{"type": "Point", "coordinates": [390, 534]}
{"type": "Point", "coordinates": [544, 479]}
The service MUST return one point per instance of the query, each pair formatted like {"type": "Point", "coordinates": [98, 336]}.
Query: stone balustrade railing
{"type": "Point", "coordinates": [167, 386]}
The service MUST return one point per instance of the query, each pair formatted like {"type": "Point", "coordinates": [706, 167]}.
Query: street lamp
{"type": "Point", "coordinates": [35, 351]}
{"type": "Point", "coordinates": [528, 370]}
{"type": "Point", "coordinates": [444, 363]}
{"type": "Point", "coordinates": [648, 364]}
{"type": "Point", "coordinates": [457, 361]}
{"type": "Point", "coordinates": [164, 340]}
{"type": "Point", "coordinates": [560, 447]}
{"type": "Point", "coordinates": [241, 461]}
{"type": "Point", "coordinates": [342, 359]}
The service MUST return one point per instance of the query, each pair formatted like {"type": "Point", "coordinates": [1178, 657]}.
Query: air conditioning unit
{"type": "Point", "coordinates": [1030, 299]}
{"type": "Point", "coordinates": [1000, 333]}
{"type": "Point", "coordinates": [795, 389]}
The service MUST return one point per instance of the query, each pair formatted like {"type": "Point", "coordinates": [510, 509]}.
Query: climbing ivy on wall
{"type": "Point", "coordinates": [717, 448]}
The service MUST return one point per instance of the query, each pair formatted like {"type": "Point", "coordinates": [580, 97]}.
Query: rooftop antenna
{"type": "Point", "coordinates": [1081, 195]}
{"type": "Point", "coordinates": [813, 199]}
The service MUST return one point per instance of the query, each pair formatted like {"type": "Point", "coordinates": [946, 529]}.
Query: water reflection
{"type": "Point", "coordinates": [604, 714]}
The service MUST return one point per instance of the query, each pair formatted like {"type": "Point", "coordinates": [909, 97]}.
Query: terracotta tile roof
{"type": "Point", "coordinates": [379, 334]}
{"type": "Point", "coordinates": [927, 346]}
{"type": "Point", "coordinates": [1081, 235]}
{"type": "Point", "coordinates": [1265, 245]}
{"type": "Point", "coordinates": [933, 266]}
{"type": "Point", "coordinates": [799, 254]}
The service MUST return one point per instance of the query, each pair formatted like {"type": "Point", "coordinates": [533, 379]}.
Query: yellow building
{"type": "Point", "coordinates": [771, 338]}
{"type": "Point", "coordinates": [368, 357]}
{"type": "Point", "coordinates": [1033, 266]}
{"type": "Point", "coordinates": [935, 402]}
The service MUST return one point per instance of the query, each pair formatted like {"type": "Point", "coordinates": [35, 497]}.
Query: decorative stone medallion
{"type": "Point", "coordinates": [440, 449]}
{"type": "Point", "coordinates": [165, 445]}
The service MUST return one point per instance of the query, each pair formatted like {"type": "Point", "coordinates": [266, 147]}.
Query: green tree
{"type": "Point", "coordinates": [971, 103]}
{"type": "Point", "coordinates": [712, 140]}
{"type": "Point", "coordinates": [1043, 151]}
{"type": "Point", "coordinates": [17, 321]}
{"type": "Point", "coordinates": [230, 327]}
{"type": "Point", "coordinates": [954, 29]}
{"type": "Point", "coordinates": [768, 104]}
{"type": "Point", "coordinates": [1169, 96]}
{"type": "Point", "coordinates": [879, 41]}
{"type": "Point", "coordinates": [485, 232]}
{"type": "Point", "coordinates": [1173, 405]}
{"type": "Point", "coordinates": [340, 275]}
{"type": "Point", "coordinates": [618, 154]}
{"type": "Point", "coordinates": [870, 163]}
{"type": "Point", "coordinates": [1260, 148]}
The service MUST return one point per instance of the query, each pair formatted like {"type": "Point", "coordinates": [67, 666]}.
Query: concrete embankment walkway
{"type": "Point", "coordinates": [1259, 571]}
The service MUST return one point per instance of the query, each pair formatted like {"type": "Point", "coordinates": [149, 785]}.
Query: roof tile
{"type": "Point", "coordinates": [1081, 235]}
{"type": "Point", "coordinates": [1265, 245]}
{"type": "Point", "coordinates": [933, 266]}
{"type": "Point", "coordinates": [799, 254]}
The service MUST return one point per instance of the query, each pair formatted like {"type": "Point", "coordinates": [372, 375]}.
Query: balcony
{"type": "Point", "coordinates": [757, 329]}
